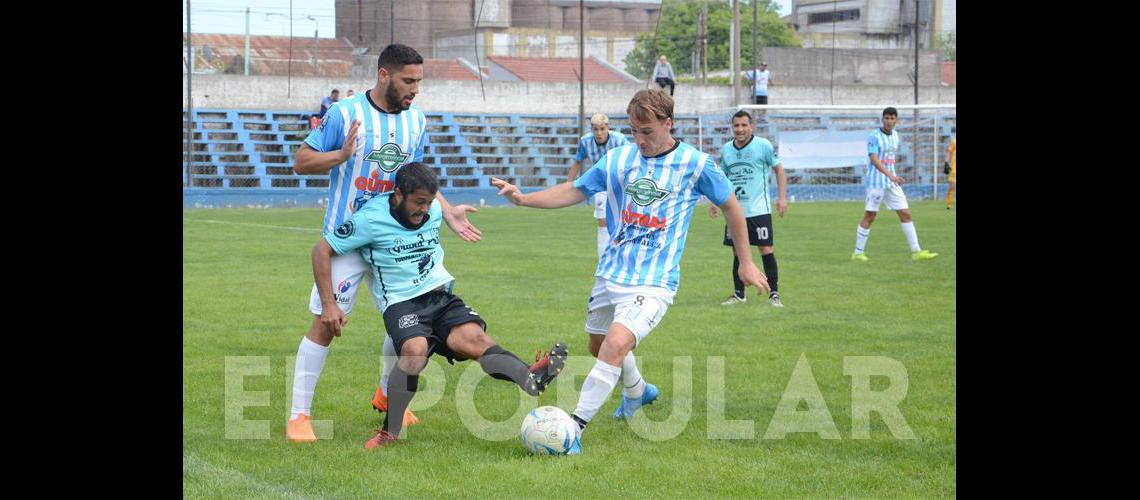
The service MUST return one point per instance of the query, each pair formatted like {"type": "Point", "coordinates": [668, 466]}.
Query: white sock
{"type": "Point", "coordinates": [389, 362]}
{"type": "Point", "coordinates": [631, 381]}
{"type": "Point", "coordinates": [310, 362]}
{"type": "Point", "coordinates": [861, 236]}
{"type": "Point", "coordinates": [911, 236]}
{"type": "Point", "coordinates": [597, 387]}
{"type": "Point", "coordinates": [603, 239]}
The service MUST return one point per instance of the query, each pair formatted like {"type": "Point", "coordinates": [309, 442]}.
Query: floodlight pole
{"type": "Point", "coordinates": [189, 101]}
{"type": "Point", "coordinates": [581, 66]}
{"type": "Point", "coordinates": [246, 58]}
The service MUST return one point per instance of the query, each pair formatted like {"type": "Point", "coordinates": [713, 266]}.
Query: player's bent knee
{"type": "Point", "coordinates": [618, 343]}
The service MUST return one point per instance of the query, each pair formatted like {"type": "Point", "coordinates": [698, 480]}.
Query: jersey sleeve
{"type": "Point", "coordinates": [418, 154]}
{"type": "Point", "coordinates": [581, 155]}
{"type": "Point", "coordinates": [594, 180]}
{"type": "Point", "coordinates": [873, 145]}
{"type": "Point", "coordinates": [773, 158]}
{"type": "Point", "coordinates": [713, 183]}
{"type": "Point", "coordinates": [329, 135]}
{"type": "Point", "coordinates": [620, 139]}
{"type": "Point", "coordinates": [355, 233]}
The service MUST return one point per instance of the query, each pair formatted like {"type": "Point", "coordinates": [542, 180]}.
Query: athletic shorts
{"type": "Point", "coordinates": [759, 99]}
{"type": "Point", "coordinates": [600, 205]}
{"type": "Point", "coordinates": [431, 315]}
{"type": "Point", "coordinates": [348, 271]}
{"type": "Point", "coordinates": [893, 195]}
{"type": "Point", "coordinates": [638, 308]}
{"type": "Point", "coordinates": [759, 231]}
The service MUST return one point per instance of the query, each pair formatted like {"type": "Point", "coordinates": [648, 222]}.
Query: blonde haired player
{"type": "Point", "coordinates": [592, 147]}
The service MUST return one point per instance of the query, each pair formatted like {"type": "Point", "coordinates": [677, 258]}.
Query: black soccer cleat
{"type": "Point", "coordinates": [546, 368]}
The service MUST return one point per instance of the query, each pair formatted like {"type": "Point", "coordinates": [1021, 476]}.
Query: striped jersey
{"type": "Point", "coordinates": [406, 262]}
{"type": "Point", "coordinates": [384, 143]}
{"type": "Point", "coordinates": [748, 168]}
{"type": "Point", "coordinates": [589, 152]}
{"type": "Point", "coordinates": [649, 203]}
{"type": "Point", "coordinates": [887, 147]}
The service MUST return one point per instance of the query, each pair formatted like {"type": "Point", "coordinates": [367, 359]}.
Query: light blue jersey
{"type": "Point", "coordinates": [649, 203]}
{"type": "Point", "coordinates": [589, 152]}
{"type": "Point", "coordinates": [406, 262]}
{"type": "Point", "coordinates": [886, 146]}
{"type": "Point", "coordinates": [385, 142]}
{"type": "Point", "coordinates": [759, 81]}
{"type": "Point", "coordinates": [748, 169]}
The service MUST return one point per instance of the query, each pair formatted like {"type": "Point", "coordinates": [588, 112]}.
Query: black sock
{"type": "Point", "coordinates": [504, 365]}
{"type": "Point", "coordinates": [771, 270]}
{"type": "Point", "coordinates": [578, 420]}
{"type": "Point", "coordinates": [737, 285]}
{"type": "Point", "coordinates": [401, 388]}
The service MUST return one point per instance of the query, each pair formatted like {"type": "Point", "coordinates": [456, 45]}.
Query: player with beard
{"type": "Point", "coordinates": [361, 143]}
{"type": "Point", "coordinates": [397, 234]}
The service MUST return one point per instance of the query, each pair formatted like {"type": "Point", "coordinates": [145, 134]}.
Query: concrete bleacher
{"type": "Point", "coordinates": [246, 156]}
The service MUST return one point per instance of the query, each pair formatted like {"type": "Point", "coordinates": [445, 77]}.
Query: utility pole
{"type": "Point", "coordinates": [755, 49]}
{"type": "Point", "coordinates": [316, 46]}
{"type": "Point", "coordinates": [189, 101]}
{"type": "Point", "coordinates": [704, 40]}
{"type": "Point", "coordinates": [246, 58]}
{"type": "Point", "coordinates": [289, 85]}
{"type": "Point", "coordinates": [392, 23]}
{"type": "Point", "coordinates": [735, 52]}
{"type": "Point", "coordinates": [581, 65]}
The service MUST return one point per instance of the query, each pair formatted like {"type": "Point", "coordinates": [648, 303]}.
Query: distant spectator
{"type": "Point", "coordinates": [350, 93]}
{"type": "Point", "coordinates": [760, 79]}
{"type": "Point", "coordinates": [663, 74]}
{"type": "Point", "coordinates": [327, 102]}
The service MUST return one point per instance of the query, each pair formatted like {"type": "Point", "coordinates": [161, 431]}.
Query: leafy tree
{"type": "Point", "coordinates": [676, 35]}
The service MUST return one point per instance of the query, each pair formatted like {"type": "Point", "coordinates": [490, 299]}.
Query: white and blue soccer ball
{"type": "Point", "coordinates": [548, 430]}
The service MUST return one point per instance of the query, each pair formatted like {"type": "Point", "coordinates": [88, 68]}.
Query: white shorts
{"type": "Point", "coordinates": [600, 205]}
{"type": "Point", "coordinates": [348, 271]}
{"type": "Point", "coordinates": [893, 195]}
{"type": "Point", "coordinates": [639, 308]}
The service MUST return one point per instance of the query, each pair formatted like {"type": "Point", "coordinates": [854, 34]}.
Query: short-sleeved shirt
{"type": "Point", "coordinates": [589, 151]}
{"type": "Point", "coordinates": [406, 262]}
{"type": "Point", "coordinates": [748, 168]}
{"type": "Point", "coordinates": [326, 103]}
{"type": "Point", "coordinates": [649, 204]}
{"type": "Point", "coordinates": [384, 143]}
{"type": "Point", "coordinates": [759, 81]}
{"type": "Point", "coordinates": [886, 147]}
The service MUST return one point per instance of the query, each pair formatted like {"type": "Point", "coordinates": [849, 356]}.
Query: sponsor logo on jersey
{"type": "Point", "coordinates": [389, 157]}
{"type": "Point", "coordinates": [345, 230]}
{"type": "Point", "coordinates": [373, 184]}
{"type": "Point", "coordinates": [644, 191]}
{"type": "Point", "coordinates": [644, 220]}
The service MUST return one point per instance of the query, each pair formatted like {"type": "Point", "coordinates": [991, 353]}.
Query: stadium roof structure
{"type": "Point", "coordinates": [450, 69]}
{"type": "Point", "coordinates": [554, 69]}
{"type": "Point", "coordinates": [270, 55]}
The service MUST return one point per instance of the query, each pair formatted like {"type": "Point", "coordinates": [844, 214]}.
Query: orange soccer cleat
{"type": "Point", "coordinates": [382, 438]}
{"type": "Point", "coordinates": [380, 404]}
{"type": "Point", "coordinates": [300, 430]}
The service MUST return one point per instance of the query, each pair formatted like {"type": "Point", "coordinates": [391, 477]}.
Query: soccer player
{"type": "Point", "coordinates": [397, 233]}
{"type": "Point", "coordinates": [747, 160]}
{"type": "Point", "coordinates": [591, 148]}
{"type": "Point", "coordinates": [883, 185]}
{"type": "Point", "coordinates": [651, 188]}
{"type": "Point", "coordinates": [951, 166]}
{"type": "Point", "coordinates": [387, 132]}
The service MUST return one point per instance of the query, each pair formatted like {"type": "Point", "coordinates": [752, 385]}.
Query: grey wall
{"type": "Point", "coordinates": [269, 92]}
{"type": "Point", "coordinates": [796, 66]}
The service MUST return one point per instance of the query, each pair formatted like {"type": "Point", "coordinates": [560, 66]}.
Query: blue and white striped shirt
{"type": "Point", "coordinates": [384, 143]}
{"type": "Point", "coordinates": [649, 203]}
{"type": "Point", "coordinates": [591, 152]}
{"type": "Point", "coordinates": [886, 146]}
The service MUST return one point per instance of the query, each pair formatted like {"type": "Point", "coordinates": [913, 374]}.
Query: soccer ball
{"type": "Point", "coordinates": [548, 431]}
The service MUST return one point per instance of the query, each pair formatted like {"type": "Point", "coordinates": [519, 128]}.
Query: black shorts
{"type": "Point", "coordinates": [431, 315]}
{"type": "Point", "coordinates": [759, 231]}
{"type": "Point", "coordinates": [759, 99]}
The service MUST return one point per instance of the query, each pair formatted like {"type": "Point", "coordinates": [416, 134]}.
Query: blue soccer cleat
{"type": "Point", "coordinates": [629, 406]}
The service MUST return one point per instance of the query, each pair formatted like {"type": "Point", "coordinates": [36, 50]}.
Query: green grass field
{"type": "Point", "coordinates": [246, 282]}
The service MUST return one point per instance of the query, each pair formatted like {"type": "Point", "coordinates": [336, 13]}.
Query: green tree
{"type": "Point", "coordinates": [948, 44]}
{"type": "Point", "coordinates": [677, 35]}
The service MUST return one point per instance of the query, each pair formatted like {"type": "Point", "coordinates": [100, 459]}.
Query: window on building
{"type": "Point", "coordinates": [834, 16]}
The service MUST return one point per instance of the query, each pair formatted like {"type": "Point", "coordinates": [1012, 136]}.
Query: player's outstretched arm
{"type": "Point", "coordinates": [310, 161]}
{"type": "Point", "coordinates": [578, 166]}
{"type": "Point", "coordinates": [559, 196]}
{"type": "Point", "coordinates": [331, 316]}
{"type": "Point", "coordinates": [456, 219]}
{"type": "Point", "coordinates": [749, 273]}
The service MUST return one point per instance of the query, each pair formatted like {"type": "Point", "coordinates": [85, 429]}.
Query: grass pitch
{"type": "Point", "coordinates": [246, 282]}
